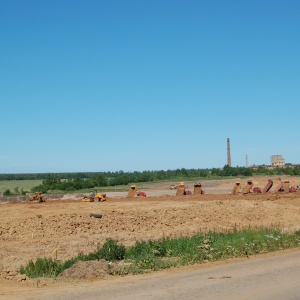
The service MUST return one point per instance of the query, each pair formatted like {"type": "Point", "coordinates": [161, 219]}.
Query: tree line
{"type": "Point", "coordinates": [89, 180]}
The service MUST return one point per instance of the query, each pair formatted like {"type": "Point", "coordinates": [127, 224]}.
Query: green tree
{"type": "Point", "coordinates": [7, 192]}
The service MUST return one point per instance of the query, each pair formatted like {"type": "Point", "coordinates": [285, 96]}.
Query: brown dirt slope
{"type": "Point", "coordinates": [63, 228]}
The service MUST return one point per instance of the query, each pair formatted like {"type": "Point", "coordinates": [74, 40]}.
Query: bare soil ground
{"type": "Point", "coordinates": [61, 228]}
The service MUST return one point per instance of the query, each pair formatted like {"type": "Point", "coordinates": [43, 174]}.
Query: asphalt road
{"type": "Point", "coordinates": [274, 277]}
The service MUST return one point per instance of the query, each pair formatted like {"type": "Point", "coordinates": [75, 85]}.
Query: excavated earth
{"type": "Point", "coordinates": [61, 228]}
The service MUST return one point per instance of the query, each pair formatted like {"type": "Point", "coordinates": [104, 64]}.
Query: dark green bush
{"type": "Point", "coordinates": [7, 193]}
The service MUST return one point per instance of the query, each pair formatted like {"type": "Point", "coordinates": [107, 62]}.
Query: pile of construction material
{"type": "Point", "coordinates": [283, 186]}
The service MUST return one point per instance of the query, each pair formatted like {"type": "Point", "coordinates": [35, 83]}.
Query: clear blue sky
{"type": "Point", "coordinates": [147, 84]}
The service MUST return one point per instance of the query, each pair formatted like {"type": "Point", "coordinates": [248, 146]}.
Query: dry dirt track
{"type": "Point", "coordinates": [31, 230]}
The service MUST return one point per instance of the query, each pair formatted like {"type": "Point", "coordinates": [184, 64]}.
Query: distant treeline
{"type": "Point", "coordinates": [87, 180]}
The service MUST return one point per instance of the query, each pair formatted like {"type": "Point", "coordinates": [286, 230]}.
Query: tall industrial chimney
{"type": "Point", "coordinates": [228, 153]}
{"type": "Point", "coordinates": [246, 160]}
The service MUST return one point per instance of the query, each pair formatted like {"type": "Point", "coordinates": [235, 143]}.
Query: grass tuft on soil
{"type": "Point", "coordinates": [146, 256]}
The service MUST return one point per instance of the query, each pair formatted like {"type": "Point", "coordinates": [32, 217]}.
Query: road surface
{"type": "Point", "coordinates": [262, 277]}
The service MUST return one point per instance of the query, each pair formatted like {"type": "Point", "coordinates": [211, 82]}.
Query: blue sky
{"type": "Point", "coordinates": [147, 85]}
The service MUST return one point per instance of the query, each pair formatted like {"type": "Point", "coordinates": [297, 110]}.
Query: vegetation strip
{"type": "Point", "coordinates": [50, 182]}
{"type": "Point", "coordinates": [146, 256]}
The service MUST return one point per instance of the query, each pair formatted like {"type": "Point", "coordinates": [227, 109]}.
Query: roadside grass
{"type": "Point", "coordinates": [25, 185]}
{"type": "Point", "coordinates": [147, 256]}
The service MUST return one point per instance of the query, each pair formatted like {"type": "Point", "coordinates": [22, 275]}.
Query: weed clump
{"type": "Point", "coordinates": [111, 250]}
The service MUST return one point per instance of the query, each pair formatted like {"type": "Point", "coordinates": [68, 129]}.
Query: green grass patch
{"type": "Point", "coordinates": [146, 256]}
{"type": "Point", "coordinates": [25, 185]}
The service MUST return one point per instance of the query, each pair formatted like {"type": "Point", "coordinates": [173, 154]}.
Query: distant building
{"type": "Point", "coordinates": [277, 161]}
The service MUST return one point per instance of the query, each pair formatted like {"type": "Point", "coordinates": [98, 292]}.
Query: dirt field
{"type": "Point", "coordinates": [31, 230]}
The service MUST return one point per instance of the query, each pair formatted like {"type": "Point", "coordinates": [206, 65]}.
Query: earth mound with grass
{"type": "Point", "coordinates": [87, 270]}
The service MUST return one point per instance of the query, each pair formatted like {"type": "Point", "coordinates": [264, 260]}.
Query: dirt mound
{"type": "Point", "coordinates": [86, 270]}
